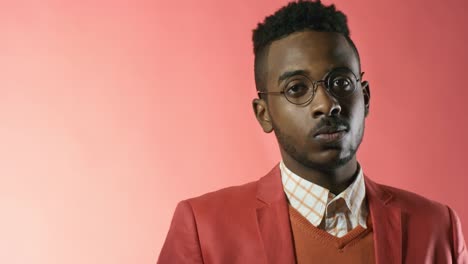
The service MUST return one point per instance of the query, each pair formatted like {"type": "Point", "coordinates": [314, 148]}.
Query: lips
{"type": "Point", "coordinates": [330, 130]}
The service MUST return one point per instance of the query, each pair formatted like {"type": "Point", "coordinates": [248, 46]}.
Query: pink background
{"type": "Point", "coordinates": [113, 111]}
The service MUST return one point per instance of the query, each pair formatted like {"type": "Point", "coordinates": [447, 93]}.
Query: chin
{"type": "Point", "coordinates": [328, 160]}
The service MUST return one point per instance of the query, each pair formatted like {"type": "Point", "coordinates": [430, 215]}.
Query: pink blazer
{"type": "Point", "coordinates": [250, 224]}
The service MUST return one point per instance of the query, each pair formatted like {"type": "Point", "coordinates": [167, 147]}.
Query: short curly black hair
{"type": "Point", "coordinates": [296, 16]}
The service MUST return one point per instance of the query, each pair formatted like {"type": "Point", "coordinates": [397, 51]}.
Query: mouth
{"type": "Point", "coordinates": [330, 133]}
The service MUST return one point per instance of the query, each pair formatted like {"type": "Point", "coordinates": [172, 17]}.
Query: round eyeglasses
{"type": "Point", "coordinates": [300, 90]}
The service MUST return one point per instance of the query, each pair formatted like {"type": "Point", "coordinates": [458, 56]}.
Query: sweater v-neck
{"type": "Point", "coordinates": [352, 237]}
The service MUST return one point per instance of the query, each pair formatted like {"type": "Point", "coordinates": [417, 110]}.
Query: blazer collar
{"type": "Point", "coordinates": [273, 219]}
{"type": "Point", "coordinates": [270, 187]}
{"type": "Point", "coordinates": [386, 222]}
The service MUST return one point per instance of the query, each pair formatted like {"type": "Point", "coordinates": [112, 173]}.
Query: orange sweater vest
{"type": "Point", "coordinates": [314, 245]}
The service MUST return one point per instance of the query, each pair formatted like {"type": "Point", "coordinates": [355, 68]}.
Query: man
{"type": "Point", "coordinates": [316, 205]}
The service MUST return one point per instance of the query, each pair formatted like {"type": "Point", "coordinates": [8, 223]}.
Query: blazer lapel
{"type": "Point", "coordinates": [275, 228]}
{"type": "Point", "coordinates": [386, 221]}
{"type": "Point", "coordinates": [273, 219]}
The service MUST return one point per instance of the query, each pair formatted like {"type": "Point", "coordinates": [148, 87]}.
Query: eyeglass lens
{"type": "Point", "coordinates": [300, 89]}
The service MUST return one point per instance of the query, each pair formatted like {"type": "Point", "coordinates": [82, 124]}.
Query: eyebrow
{"type": "Point", "coordinates": [288, 74]}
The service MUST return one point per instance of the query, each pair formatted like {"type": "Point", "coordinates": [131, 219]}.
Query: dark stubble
{"type": "Point", "coordinates": [300, 154]}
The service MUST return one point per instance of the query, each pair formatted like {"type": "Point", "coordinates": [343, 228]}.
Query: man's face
{"type": "Point", "coordinates": [313, 54]}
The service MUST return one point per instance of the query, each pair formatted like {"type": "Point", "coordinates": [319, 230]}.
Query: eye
{"type": "Point", "coordinates": [297, 90]}
{"type": "Point", "coordinates": [341, 84]}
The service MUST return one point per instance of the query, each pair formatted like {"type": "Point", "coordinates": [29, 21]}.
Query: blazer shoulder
{"type": "Point", "coordinates": [413, 201]}
{"type": "Point", "coordinates": [229, 199]}
{"type": "Point", "coordinates": [417, 205]}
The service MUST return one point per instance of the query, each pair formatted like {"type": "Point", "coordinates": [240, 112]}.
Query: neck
{"type": "Point", "coordinates": [335, 179]}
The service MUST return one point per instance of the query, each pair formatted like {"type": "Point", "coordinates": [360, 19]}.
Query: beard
{"type": "Point", "coordinates": [300, 155]}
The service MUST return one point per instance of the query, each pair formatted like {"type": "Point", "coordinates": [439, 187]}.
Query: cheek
{"type": "Point", "coordinates": [291, 119]}
{"type": "Point", "coordinates": [357, 117]}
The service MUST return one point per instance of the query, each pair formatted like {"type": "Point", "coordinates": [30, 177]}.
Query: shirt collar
{"type": "Point", "coordinates": [312, 200]}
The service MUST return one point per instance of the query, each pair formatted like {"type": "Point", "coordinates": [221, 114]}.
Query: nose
{"type": "Point", "coordinates": [324, 103]}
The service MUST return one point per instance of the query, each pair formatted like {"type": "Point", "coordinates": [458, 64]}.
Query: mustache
{"type": "Point", "coordinates": [333, 122]}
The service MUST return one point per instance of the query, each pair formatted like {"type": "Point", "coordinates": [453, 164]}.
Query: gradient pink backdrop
{"type": "Point", "coordinates": [113, 111]}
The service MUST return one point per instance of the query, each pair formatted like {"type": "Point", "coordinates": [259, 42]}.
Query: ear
{"type": "Point", "coordinates": [366, 93]}
{"type": "Point", "coordinates": [261, 113]}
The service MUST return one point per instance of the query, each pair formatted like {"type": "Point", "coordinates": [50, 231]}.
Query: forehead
{"type": "Point", "coordinates": [311, 51]}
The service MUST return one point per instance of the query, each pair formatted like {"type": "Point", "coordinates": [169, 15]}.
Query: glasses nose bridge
{"type": "Point", "coordinates": [326, 90]}
{"type": "Point", "coordinates": [324, 85]}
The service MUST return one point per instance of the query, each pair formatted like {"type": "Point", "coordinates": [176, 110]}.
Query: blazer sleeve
{"type": "Point", "coordinates": [460, 253]}
{"type": "Point", "coordinates": [182, 244]}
